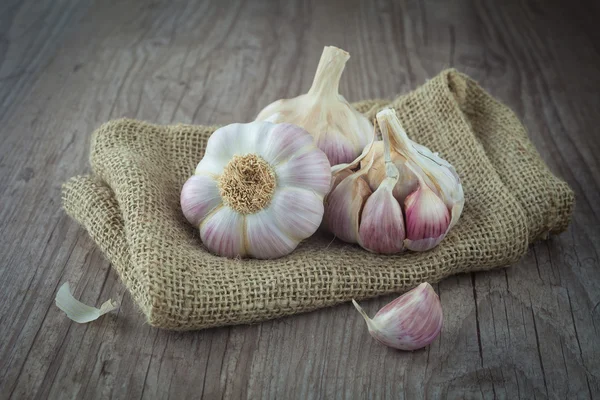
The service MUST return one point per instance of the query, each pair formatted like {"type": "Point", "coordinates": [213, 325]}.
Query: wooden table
{"type": "Point", "coordinates": [529, 331]}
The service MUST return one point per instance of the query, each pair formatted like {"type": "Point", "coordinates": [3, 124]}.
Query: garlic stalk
{"type": "Point", "coordinates": [337, 128]}
{"type": "Point", "coordinates": [258, 191]}
{"type": "Point", "coordinates": [407, 180]}
{"type": "Point", "coordinates": [410, 322]}
{"type": "Point", "coordinates": [396, 195]}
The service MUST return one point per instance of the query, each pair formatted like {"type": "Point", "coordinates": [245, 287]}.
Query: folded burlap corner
{"type": "Point", "coordinates": [130, 207]}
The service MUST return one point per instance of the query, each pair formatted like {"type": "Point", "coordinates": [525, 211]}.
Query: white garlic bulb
{"type": "Point", "coordinates": [403, 196]}
{"type": "Point", "coordinates": [410, 322]}
{"type": "Point", "coordinates": [338, 129]}
{"type": "Point", "coordinates": [258, 190]}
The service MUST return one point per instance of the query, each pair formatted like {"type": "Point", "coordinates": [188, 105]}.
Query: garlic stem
{"type": "Point", "coordinates": [329, 71]}
{"type": "Point", "coordinates": [391, 170]}
{"type": "Point", "coordinates": [389, 122]}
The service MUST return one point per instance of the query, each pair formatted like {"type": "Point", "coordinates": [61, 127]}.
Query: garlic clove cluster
{"type": "Point", "coordinates": [337, 128]}
{"type": "Point", "coordinates": [258, 191]}
{"type": "Point", "coordinates": [410, 322]}
{"type": "Point", "coordinates": [396, 195]}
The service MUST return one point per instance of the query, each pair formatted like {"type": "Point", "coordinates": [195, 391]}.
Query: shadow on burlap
{"type": "Point", "coordinates": [130, 207]}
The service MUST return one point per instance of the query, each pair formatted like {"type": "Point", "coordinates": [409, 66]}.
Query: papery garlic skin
{"type": "Point", "coordinates": [410, 322]}
{"type": "Point", "coordinates": [337, 128]}
{"type": "Point", "coordinates": [78, 311]}
{"type": "Point", "coordinates": [258, 191]}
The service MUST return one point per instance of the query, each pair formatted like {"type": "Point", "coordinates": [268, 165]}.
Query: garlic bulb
{"type": "Point", "coordinates": [410, 322]}
{"type": "Point", "coordinates": [396, 195]}
{"type": "Point", "coordinates": [258, 190]}
{"type": "Point", "coordinates": [338, 129]}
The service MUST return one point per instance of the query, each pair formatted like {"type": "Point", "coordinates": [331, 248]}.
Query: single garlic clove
{"type": "Point", "coordinates": [226, 142]}
{"type": "Point", "coordinates": [284, 143]}
{"type": "Point", "coordinates": [336, 179]}
{"type": "Point", "coordinates": [382, 225]}
{"type": "Point", "coordinates": [410, 322]}
{"type": "Point", "coordinates": [442, 176]}
{"type": "Point", "coordinates": [337, 128]}
{"type": "Point", "coordinates": [343, 207]}
{"type": "Point", "coordinates": [222, 233]}
{"type": "Point", "coordinates": [407, 180]}
{"type": "Point", "coordinates": [264, 237]}
{"type": "Point", "coordinates": [427, 219]}
{"type": "Point", "coordinates": [308, 170]}
{"type": "Point", "coordinates": [298, 212]}
{"type": "Point", "coordinates": [199, 196]}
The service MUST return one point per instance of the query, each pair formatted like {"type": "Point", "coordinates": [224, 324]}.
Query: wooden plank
{"type": "Point", "coordinates": [31, 31]}
{"type": "Point", "coordinates": [530, 331]}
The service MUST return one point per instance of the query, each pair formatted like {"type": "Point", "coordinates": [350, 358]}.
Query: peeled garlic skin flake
{"type": "Point", "coordinates": [258, 191]}
{"type": "Point", "coordinates": [76, 310]}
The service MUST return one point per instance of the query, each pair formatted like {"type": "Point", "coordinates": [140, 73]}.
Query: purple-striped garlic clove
{"type": "Point", "coordinates": [382, 225]}
{"type": "Point", "coordinates": [199, 196]}
{"type": "Point", "coordinates": [427, 219]}
{"type": "Point", "coordinates": [343, 207]}
{"type": "Point", "coordinates": [264, 237]}
{"type": "Point", "coordinates": [410, 322]}
{"type": "Point", "coordinates": [222, 233]}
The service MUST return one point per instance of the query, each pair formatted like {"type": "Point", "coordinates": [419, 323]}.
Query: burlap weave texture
{"type": "Point", "coordinates": [130, 207]}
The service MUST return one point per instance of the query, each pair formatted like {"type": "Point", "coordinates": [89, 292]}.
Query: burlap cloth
{"type": "Point", "coordinates": [130, 207]}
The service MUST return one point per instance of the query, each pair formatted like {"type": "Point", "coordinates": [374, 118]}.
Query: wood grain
{"type": "Point", "coordinates": [530, 331]}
